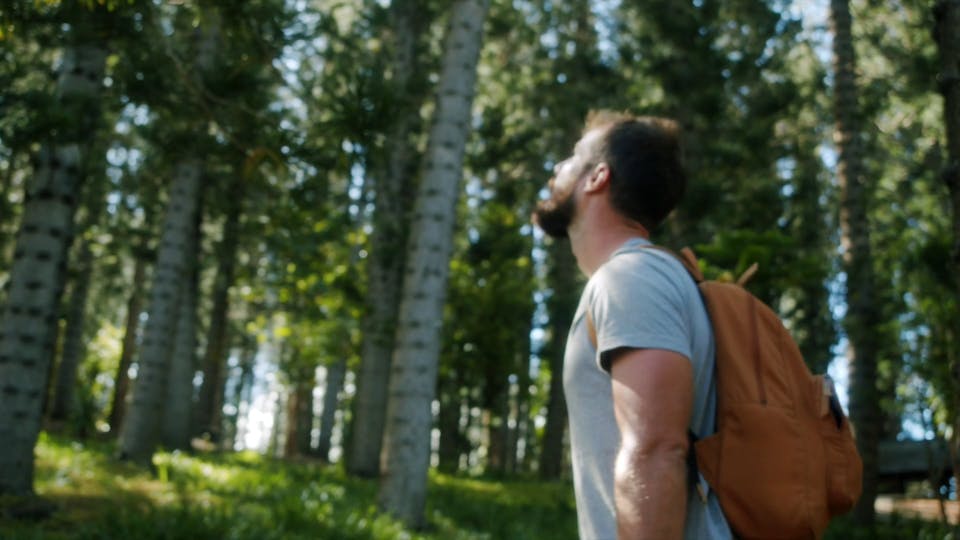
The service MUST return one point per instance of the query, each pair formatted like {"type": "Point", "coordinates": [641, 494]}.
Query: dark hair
{"type": "Point", "coordinates": [647, 179]}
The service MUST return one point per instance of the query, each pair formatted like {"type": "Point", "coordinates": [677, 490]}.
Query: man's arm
{"type": "Point", "coordinates": [652, 398]}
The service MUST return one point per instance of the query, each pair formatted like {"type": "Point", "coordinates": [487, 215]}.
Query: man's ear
{"type": "Point", "coordinates": [598, 179]}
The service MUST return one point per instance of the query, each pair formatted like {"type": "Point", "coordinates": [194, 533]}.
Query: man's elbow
{"type": "Point", "coordinates": [659, 448]}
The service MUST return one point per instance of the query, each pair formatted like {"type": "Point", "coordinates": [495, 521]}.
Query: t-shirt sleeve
{"type": "Point", "coordinates": [638, 302]}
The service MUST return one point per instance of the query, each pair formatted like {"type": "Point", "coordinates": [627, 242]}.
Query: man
{"type": "Point", "coordinates": [635, 397]}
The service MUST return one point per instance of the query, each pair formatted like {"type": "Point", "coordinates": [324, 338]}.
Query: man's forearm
{"type": "Point", "coordinates": [651, 494]}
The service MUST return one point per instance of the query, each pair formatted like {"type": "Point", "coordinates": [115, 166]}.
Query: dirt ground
{"type": "Point", "coordinates": [926, 508]}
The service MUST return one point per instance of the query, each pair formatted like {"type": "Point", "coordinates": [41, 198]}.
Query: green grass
{"type": "Point", "coordinates": [247, 496]}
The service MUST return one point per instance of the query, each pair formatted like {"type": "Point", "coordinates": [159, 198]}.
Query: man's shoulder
{"type": "Point", "coordinates": [641, 265]}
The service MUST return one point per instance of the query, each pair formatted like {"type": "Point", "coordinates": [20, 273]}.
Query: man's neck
{"type": "Point", "coordinates": [594, 241]}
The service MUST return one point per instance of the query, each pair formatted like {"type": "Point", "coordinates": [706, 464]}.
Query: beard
{"type": "Point", "coordinates": [555, 214]}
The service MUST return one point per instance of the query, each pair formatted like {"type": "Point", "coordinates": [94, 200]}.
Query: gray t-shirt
{"type": "Point", "coordinates": [640, 298]}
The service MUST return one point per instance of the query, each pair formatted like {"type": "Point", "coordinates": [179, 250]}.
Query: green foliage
{"type": "Point", "coordinates": [247, 496]}
{"type": "Point", "coordinates": [892, 527]}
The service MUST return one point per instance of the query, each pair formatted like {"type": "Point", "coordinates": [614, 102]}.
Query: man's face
{"type": "Point", "coordinates": [555, 214]}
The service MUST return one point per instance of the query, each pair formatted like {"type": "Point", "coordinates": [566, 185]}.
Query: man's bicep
{"type": "Point", "coordinates": [653, 396]}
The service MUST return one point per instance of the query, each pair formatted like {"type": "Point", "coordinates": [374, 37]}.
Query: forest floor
{"type": "Point", "coordinates": [248, 496]}
{"type": "Point", "coordinates": [928, 509]}
{"type": "Point", "coordinates": [86, 494]}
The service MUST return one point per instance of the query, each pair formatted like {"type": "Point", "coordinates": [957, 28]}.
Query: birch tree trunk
{"type": "Point", "coordinates": [177, 413]}
{"type": "Point", "coordinates": [28, 319]}
{"type": "Point", "coordinates": [406, 452]}
{"type": "Point", "coordinates": [129, 347]}
{"type": "Point", "coordinates": [141, 428]}
{"type": "Point", "coordinates": [861, 319]}
{"type": "Point", "coordinates": [73, 343]}
{"type": "Point", "coordinates": [385, 265]}
{"type": "Point", "coordinates": [145, 416]}
{"type": "Point", "coordinates": [333, 384]}
{"type": "Point", "coordinates": [209, 411]}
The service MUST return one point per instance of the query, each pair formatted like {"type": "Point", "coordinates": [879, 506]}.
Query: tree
{"type": "Point", "coordinates": [210, 402]}
{"type": "Point", "coordinates": [947, 14]}
{"type": "Point", "coordinates": [29, 315]}
{"type": "Point", "coordinates": [861, 321]}
{"type": "Point", "coordinates": [141, 428]}
{"type": "Point", "coordinates": [947, 36]}
{"type": "Point", "coordinates": [176, 426]}
{"type": "Point", "coordinates": [393, 180]}
{"type": "Point", "coordinates": [414, 370]}
{"type": "Point", "coordinates": [121, 381]}
{"type": "Point", "coordinates": [63, 403]}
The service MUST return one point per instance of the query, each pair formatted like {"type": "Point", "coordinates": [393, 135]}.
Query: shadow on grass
{"type": "Point", "coordinates": [214, 496]}
{"type": "Point", "coordinates": [514, 509]}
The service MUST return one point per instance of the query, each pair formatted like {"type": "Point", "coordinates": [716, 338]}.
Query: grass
{"type": "Point", "coordinates": [248, 496]}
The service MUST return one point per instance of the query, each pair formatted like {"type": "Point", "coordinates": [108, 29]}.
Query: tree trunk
{"type": "Point", "coordinates": [947, 34]}
{"type": "Point", "coordinates": [448, 453]}
{"type": "Point", "coordinates": [248, 354]}
{"type": "Point", "coordinates": [498, 429]}
{"type": "Point", "coordinates": [414, 370]}
{"type": "Point", "coordinates": [28, 320]}
{"type": "Point", "coordinates": [300, 417]}
{"type": "Point", "coordinates": [142, 426]}
{"type": "Point", "coordinates": [562, 280]}
{"type": "Point", "coordinates": [385, 265]}
{"type": "Point", "coordinates": [336, 373]}
{"type": "Point", "coordinates": [522, 428]}
{"type": "Point", "coordinates": [74, 346]}
{"type": "Point", "coordinates": [947, 14]}
{"type": "Point", "coordinates": [122, 380]}
{"type": "Point", "coordinates": [860, 322]}
{"type": "Point", "coordinates": [176, 415]}
{"type": "Point", "coordinates": [814, 324]}
{"type": "Point", "coordinates": [145, 416]}
{"type": "Point", "coordinates": [210, 402]}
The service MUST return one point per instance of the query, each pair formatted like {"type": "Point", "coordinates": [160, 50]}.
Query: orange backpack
{"type": "Point", "coordinates": [783, 459]}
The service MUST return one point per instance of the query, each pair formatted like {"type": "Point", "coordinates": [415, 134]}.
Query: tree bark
{"type": "Point", "coordinates": [861, 319]}
{"type": "Point", "coordinates": [242, 386]}
{"type": "Point", "coordinates": [947, 34]}
{"type": "Point", "coordinates": [385, 265]}
{"type": "Point", "coordinates": [74, 346]}
{"type": "Point", "coordinates": [145, 416]}
{"type": "Point", "coordinates": [300, 417]}
{"type": "Point", "coordinates": [210, 402]}
{"type": "Point", "coordinates": [414, 369]}
{"type": "Point", "coordinates": [336, 374]}
{"type": "Point", "coordinates": [28, 320]}
{"type": "Point", "coordinates": [814, 323]}
{"type": "Point", "coordinates": [141, 429]}
{"type": "Point", "coordinates": [562, 280]}
{"type": "Point", "coordinates": [122, 380]}
{"type": "Point", "coordinates": [176, 416]}
{"type": "Point", "coordinates": [448, 453]}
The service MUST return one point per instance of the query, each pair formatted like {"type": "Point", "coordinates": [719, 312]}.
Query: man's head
{"type": "Point", "coordinates": [643, 157]}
